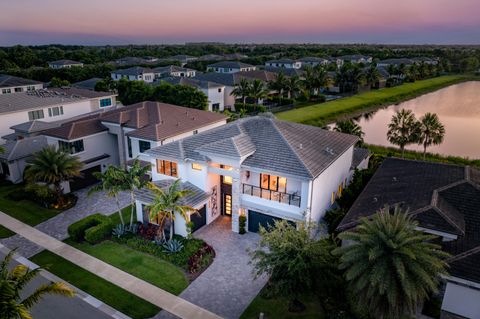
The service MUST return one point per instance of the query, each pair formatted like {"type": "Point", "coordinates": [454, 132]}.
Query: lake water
{"type": "Point", "coordinates": [458, 107]}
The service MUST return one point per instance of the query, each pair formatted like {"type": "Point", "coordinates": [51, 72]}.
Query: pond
{"type": "Point", "coordinates": [458, 107]}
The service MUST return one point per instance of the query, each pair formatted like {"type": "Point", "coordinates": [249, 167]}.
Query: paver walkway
{"type": "Point", "coordinates": [227, 287]}
{"type": "Point", "coordinates": [57, 226]}
{"type": "Point", "coordinates": [159, 297]}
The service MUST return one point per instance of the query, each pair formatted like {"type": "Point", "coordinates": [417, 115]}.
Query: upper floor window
{"type": "Point", "coordinates": [143, 146]}
{"type": "Point", "coordinates": [129, 147]}
{"type": "Point", "coordinates": [220, 90]}
{"type": "Point", "coordinates": [17, 90]}
{"type": "Point", "coordinates": [167, 168]}
{"type": "Point", "coordinates": [55, 111]}
{"type": "Point", "coordinates": [35, 115]}
{"type": "Point", "coordinates": [31, 88]}
{"type": "Point", "coordinates": [196, 166]}
{"type": "Point", "coordinates": [71, 147]}
{"type": "Point", "coordinates": [273, 183]}
{"type": "Point", "coordinates": [105, 102]}
{"type": "Point", "coordinates": [6, 91]}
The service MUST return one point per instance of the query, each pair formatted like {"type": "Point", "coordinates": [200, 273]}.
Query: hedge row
{"type": "Point", "coordinates": [93, 229]}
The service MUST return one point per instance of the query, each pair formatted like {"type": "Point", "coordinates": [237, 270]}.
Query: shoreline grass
{"type": "Point", "coordinates": [323, 113]}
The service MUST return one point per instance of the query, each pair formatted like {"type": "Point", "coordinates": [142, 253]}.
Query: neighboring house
{"type": "Point", "coordinates": [121, 135]}
{"type": "Point", "coordinates": [210, 57]}
{"type": "Point", "coordinates": [214, 91]}
{"type": "Point", "coordinates": [258, 167]}
{"type": "Point", "coordinates": [182, 58]}
{"type": "Point", "coordinates": [445, 201]}
{"type": "Point", "coordinates": [235, 56]}
{"type": "Point", "coordinates": [395, 62]}
{"type": "Point", "coordinates": [173, 70]}
{"type": "Point", "coordinates": [286, 71]}
{"type": "Point", "coordinates": [16, 154]}
{"type": "Point", "coordinates": [230, 67]}
{"type": "Point", "coordinates": [136, 73]}
{"type": "Point", "coordinates": [50, 105]}
{"type": "Point", "coordinates": [336, 60]}
{"type": "Point", "coordinates": [130, 60]}
{"type": "Point", "coordinates": [425, 60]}
{"type": "Point", "coordinates": [313, 61]}
{"type": "Point", "coordinates": [284, 63]}
{"type": "Point", "coordinates": [356, 58]}
{"type": "Point", "coordinates": [13, 84]}
{"type": "Point", "coordinates": [87, 84]}
{"type": "Point", "coordinates": [29, 129]}
{"type": "Point", "coordinates": [64, 64]}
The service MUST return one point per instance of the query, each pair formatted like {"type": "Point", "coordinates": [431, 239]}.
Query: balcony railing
{"type": "Point", "coordinates": [284, 198]}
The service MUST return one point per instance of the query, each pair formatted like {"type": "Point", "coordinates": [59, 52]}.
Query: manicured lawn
{"type": "Point", "coordinates": [277, 308]}
{"type": "Point", "coordinates": [105, 291]}
{"type": "Point", "coordinates": [24, 210]}
{"type": "Point", "coordinates": [321, 114]}
{"type": "Point", "coordinates": [151, 269]}
{"type": "Point", "coordinates": [395, 152]}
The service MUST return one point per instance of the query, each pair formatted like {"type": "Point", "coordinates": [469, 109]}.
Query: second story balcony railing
{"type": "Point", "coordinates": [285, 198]}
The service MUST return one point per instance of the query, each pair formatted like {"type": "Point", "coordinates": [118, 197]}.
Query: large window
{"type": "Point", "coordinates": [129, 147]}
{"type": "Point", "coordinates": [6, 91]}
{"type": "Point", "coordinates": [71, 147]}
{"type": "Point", "coordinates": [273, 183]}
{"type": "Point", "coordinates": [143, 146]}
{"type": "Point", "coordinates": [55, 111]}
{"type": "Point", "coordinates": [167, 168]}
{"type": "Point", "coordinates": [18, 90]}
{"type": "Point", "coordinates": [105, 102]}
{"type": "Point", "coordinates": [35, 115]}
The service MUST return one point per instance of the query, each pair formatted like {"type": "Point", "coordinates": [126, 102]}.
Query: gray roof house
{"type": "Point", "coordinates": [173, 70]}
{"type": "Point", "coordinates": [61, 64]}
{"type": "Point", "coordinates": [87, 84]}
{"type": "Point", "coordinates": [135, 73]}
{"type": "Point", "coordinates": [444, 200]}
{"type": "Point", "coordinates": [259, 167]}
{"type": "Point", "coordinates": [14, 84]}
{"type": "Point", "coordinates": [230, 67]}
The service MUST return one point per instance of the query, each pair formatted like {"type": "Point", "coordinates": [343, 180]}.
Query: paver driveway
{"type": "Point", "coordinates": [227, 287]}
{"type": "Point", "coordinates": [57, 226]}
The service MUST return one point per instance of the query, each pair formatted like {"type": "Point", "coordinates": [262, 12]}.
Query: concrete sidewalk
{"type": "Point", "coordinates": [159, 297]}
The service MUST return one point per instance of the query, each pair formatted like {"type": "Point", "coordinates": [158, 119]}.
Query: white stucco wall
{"type": "Point", "coordinates": [462, 300]}
{"type": "Point", "coordinates": [24, 88]}
{"type": "Point", "coordinates": [215, 95]}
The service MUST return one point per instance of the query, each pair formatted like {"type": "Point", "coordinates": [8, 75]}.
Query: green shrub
{"type": "Point", "coordinates": [77, 230]}
{"type": "Point", "coordinates": [242, 221]}
{"type": "Point", "coordinates": [98, 233]}
{"type": "Point", "coordinates": [250, 108]}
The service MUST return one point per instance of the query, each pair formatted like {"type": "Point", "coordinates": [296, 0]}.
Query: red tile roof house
{"type": "Point", "coordinates": [118, 136]}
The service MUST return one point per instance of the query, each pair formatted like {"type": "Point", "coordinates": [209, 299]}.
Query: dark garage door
{"type": "Point", "coordinates": [87, 179]}
{"type": "Point", "coordinates": [255, 219]}
{"type": "Point", "coordinates": [199, 219]}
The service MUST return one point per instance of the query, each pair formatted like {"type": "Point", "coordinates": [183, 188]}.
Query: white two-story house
{"type": "Point", "coordinates": [257, 167]}
{"type": "Point", "coordinates": [135, 73]}
{"type": "Point", "coordinates": [313, 61]}
{"type": "Point", "coordinates": [230, 67]}
{"type": "Point", "coordinates": [173, 70]}
{"type": "Point", "coordinates": [64, 64]}
{"type": "Point", "coordinates": [284, 63]}
{"type": "Point", "coordinates": [13, 84]}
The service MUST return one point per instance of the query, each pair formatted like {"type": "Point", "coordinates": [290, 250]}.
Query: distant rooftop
{"type": "Point", "coordinates": [11, 81]}
{"type": "Point", "coordinates": [64, 62]}
{"type": "Point", "coordinates": [230, 64]}
{"type": "Point", "coordinates": [136, 70]}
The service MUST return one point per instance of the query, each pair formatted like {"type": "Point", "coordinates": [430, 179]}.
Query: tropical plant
{"type": "Point", "coordinates": [242, 90]}
{"type": "Point", "coordinates": [279, 85]}
{"type": "Point", "coordinates": [372, 75]}
{"type": "Point", "coordinates": [172, 246]}
{"type": "Point", "coordinates": [315, 79]}
{"type": "Point", "coordinates": [167, 203]}
{"type": "Point", "coordinates": [112, 181]}
{"type": "Point", "coordinates": [13, 302]}
{"type": "Point", "coordinates": [257, 91]}
{"type": "Point", "coordinates": [295, 262]}
{"type": "Point", "coordinates": [53, 166]}
{"type": "Point", "coordinates": [389, 265]}
{"type": "Point", "coordinates": [349, 127]}
{"type": "Point", "coordinates": [135, 180]}
{"type": "Point", "coordinates": [432, 131]}
{"type": "Point", "coordinates": [356, 77]}
{"type": "Point", "coordinates": [293, 86]}
{"type": "Point", "coordinates": [119, 230]}
{"type": "Point", "coordinates": [403, 129]}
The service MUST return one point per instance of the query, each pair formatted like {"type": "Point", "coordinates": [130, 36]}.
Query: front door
{"type": "Point", "coordinates": [227, 204]}
{"type": "Point", "coordinates": [226, 189]}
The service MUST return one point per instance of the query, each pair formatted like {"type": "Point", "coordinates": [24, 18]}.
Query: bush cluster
{"type": "Point", "coordinates": [93, 229]}
{"type": "Point", "coordinates": [250, 108]}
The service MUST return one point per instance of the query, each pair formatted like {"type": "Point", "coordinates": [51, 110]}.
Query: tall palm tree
{"type": "Point", "coordinates": [321, 77]}
{"type": "Point", "coordinates": [432, 131]}
{"type": "Point", "coordinates": [279, 85]}
{"type": "Point", "coordinates": [167, 203]}
{"type": "Point", "coordinates": [112, 181]}
{"type": "Point", "coordinates": [293, 86]}
{"type": "Point", "coordinates": [356, 77]}
{"type": "Point", "coordinates": [403, 129]}
{"type": "Point", "coordinates": [350, 127]}
{"type": "Point", "coordinates": [372, 76]}
{"type": "Point", "coordinates": [310, 80]}
{"type": "Point", "coordinates": [135, 180]}
{"type": "Point", "coordinates": [257, 90]}
{"type": "Point", "coordinates": [390, 266]}
{"type": "Point", "coordinates": [242, 90]}
{"type": "Point", "coordinates": [53, 166]}
{"type": "Point", "coordinates": [12, 282]}
{"type": "Point", "coordinates": [342, 77]}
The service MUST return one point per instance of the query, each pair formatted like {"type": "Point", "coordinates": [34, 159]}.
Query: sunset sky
{"type": "Point", "coordinates": [265, 21]}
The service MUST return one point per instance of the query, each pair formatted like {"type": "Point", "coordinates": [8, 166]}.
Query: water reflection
{"type": "Point", "coordinates": [458, 107]}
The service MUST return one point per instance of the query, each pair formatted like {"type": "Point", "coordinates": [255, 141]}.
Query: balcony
{"type": "Point", "coordinates": [284, 198]}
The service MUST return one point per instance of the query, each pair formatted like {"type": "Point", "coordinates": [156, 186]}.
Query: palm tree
{"type": "Point", "coordinates": [135, 180]}
{"type": "Point", "coordinates": [356, 77]}
{"type": "Point", "coordinates": [342, 77]}
{"type": "Point", "coordinates": [12, 282]}
{"type": "Point", "coordinates": [258, 91]}
{"type": "Point", "coordinates": [315, 79]}
{"type": "Point", "coordinates": [432, 131]}
{"type": "Point", "coordinates": [372, 76]}
{"type": "Point", "coordinates": [403, 129]}
{"type": "Point", "coordinates": [279, 85]}
{"type": "Point", "coordinates": [167, 203]}
{"type": "Point", "coordinates": [112, 181]}
{"type": "Point", "coordinates": [53, 167]}
{"type": "Point", "coordinates": [350, 127]}
{"type": "Point", "coordinates": [293, 86]}
{"type": "Point", "coordinates": [390, 266]}
{"type": "Point", "coordinates": [242, 90]}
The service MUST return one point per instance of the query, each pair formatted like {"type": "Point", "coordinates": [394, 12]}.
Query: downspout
{"type": "Point", "coordinates": [123, 156]}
